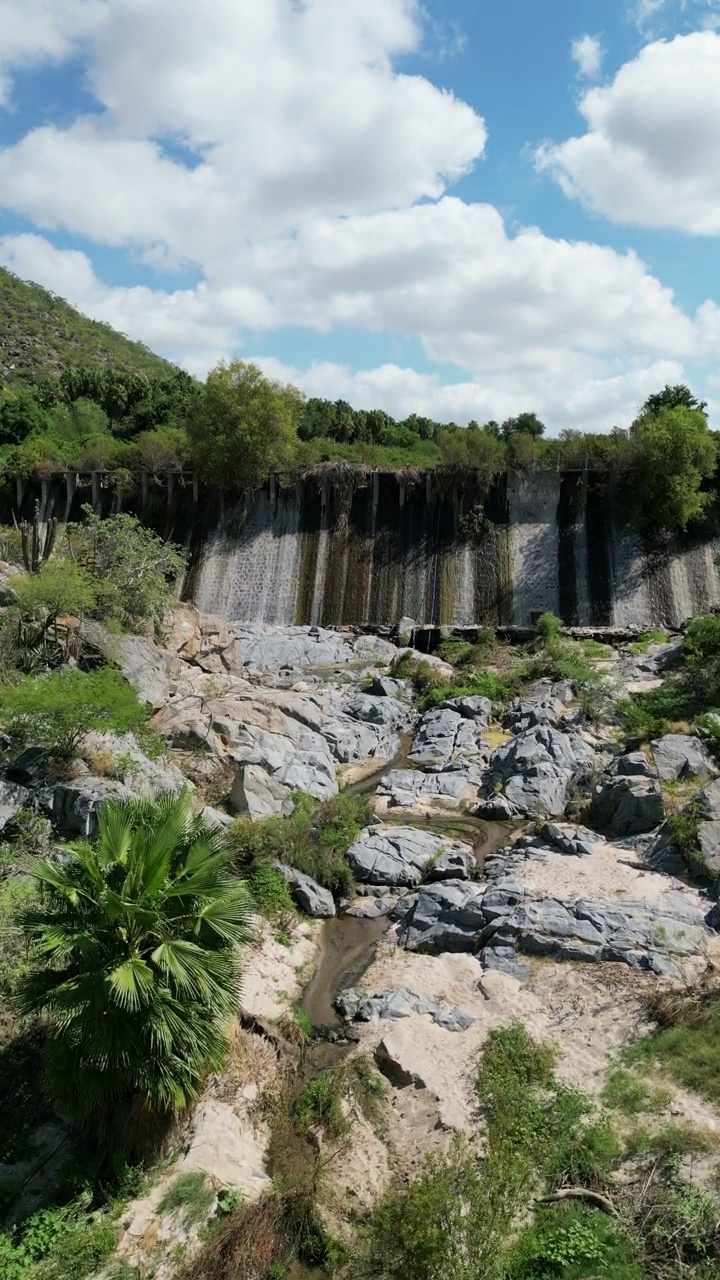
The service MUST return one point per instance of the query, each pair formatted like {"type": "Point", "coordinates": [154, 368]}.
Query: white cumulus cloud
{"type": "Point", "coordinates": [277, 148]}
{"type": "Point", "coordinates": [651, 151]}
{"type": "Point", "coordinates": [587, 54]}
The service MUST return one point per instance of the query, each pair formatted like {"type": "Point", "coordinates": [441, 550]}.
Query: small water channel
{"type": "Point", "coordinates": [348, 945]}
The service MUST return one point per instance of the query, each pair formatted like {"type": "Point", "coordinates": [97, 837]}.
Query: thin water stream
{"type": "Point", "coordinates": [348, 944]}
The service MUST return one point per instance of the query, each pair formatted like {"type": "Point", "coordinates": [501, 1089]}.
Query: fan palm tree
{"type": "Point", "coordinates": [136, 961]}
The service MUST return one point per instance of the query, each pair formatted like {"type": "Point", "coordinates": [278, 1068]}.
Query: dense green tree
{"type": "Point", "coordinates": [57, 710]}
{"type": "Point", "coordinates": [672, 454]}
{"type": "Point", "coordinates": [677, 397]}
{"type": "Point", "coordinates": [134, 572]}
{"type": "Point", "coordinates": [60, 587]}
{"type": "Point", "coordinates": [244, 427]}
{"type": "Point", "coordinates": [526, 424]}
{"type": "Point", "coordinates": [21, 415]}
{"type": "Point", "coordinates": [135, 960]}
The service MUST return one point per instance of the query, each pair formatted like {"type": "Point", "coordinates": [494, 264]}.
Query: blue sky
{"type": "Point", "coordinates": [464, 209]}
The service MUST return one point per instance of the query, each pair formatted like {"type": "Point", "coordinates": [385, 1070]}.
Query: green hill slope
{"type": "Point", "coordinates": [41, 334]}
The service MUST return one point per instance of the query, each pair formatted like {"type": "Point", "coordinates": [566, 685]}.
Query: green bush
{"type": "Point", "coordinates": [57, 710]}
{"type": "Point", "coordinates": [320, 1105]}
{"type": "Point", "coordinates": [548, 627]}
{"type": "Point", "coordinates": [134, 572]}
{"type": "Point", "coordinates": [566, 1242]}
{"type": "Point", "coordinates": [60, 1244]}
{"type": "Point", "coordinates": [60, 587]}
{"type": "Point", "coordinates": [314, 839]}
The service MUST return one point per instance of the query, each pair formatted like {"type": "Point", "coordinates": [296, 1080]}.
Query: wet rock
{"type": "Point", "coordinates": [627, 806]}
{"type": "Point", "coordinates": [311, 897]}
{"type": "Point", "coordinates": [389, 855]}
{"type": "Point", "coordinates": [679, 756]}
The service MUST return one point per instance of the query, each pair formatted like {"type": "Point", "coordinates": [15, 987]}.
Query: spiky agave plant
{"type": "Point", "coordinates": [136, 950]}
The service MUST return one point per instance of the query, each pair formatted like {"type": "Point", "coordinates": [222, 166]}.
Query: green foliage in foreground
{"type": "Point", "coordinates": [132, 570]}
{"type": "Point", "coordinates": [315, 839]}
{"type": "Point", "coordinates": [687, 1046]}
{"type": "Point", "coordinates": [453, 1221]}
{"type": "Point", "coordinates": [57, 710]}
{"type": "Point", "coordinates": [135, 965]}
{"type": "Point", "coordinates": [467, 1216]}
{"type": "Point", "coordinates": [57, 1244]}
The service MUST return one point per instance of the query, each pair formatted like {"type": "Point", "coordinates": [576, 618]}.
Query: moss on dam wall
{"type": "Point", "coordinates": [369, 548]}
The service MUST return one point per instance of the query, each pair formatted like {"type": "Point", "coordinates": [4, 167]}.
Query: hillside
{"type": "Point", "coordinates": [41, 334]}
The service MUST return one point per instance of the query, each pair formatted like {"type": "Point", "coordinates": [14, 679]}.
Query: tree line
{"type": "Point", "coordinates": [238, 426]}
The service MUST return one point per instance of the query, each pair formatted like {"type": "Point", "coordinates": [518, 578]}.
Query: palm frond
{"type": "Point", "coordinates": [132, 983]}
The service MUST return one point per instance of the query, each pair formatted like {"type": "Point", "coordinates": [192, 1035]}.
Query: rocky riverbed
{"type": "Point", "coordinates": [481, 899]}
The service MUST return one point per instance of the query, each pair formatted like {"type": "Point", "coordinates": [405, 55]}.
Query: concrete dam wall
{"type": "Point", "coordinates": [347, 547]}
{"type": "Point", "coordinates": [439, 549]}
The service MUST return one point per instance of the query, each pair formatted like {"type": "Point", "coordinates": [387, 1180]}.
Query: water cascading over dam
{"type": "Point", "coordinates": [340, 548]}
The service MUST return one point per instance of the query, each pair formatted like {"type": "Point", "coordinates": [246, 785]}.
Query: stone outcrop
{"type": "Point", "coordinates": [402, 856]}
{"type": "Point", "coordinates": [627, 806]}
{"type": "Point", "coordinates": [311, 897]}
{"type": "Point", "coordinates": [680, 756]}
{"type": "Point", "coordinates": [356, 1006]}
{"type": "Point", "coordinates": [534, 771]}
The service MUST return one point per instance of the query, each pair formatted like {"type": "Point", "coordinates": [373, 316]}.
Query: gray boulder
{"type": "Point", "coordinates": [578, 842]}
{"type": "Point", "coordinates": [471, 707]}
{"type": "Point", "coordinates": [387, 687]}
{"type": "Point", "coordinates": [534, 771]}
{"type": "Point", "coordinates": [627, 806]}
{"type": "Point", "coordinates": [399, 856]}
{"type": "Point", "coordinates": [311, 897]}
{"type": "Point", "coordinates": [12, 798]}
{"type": "Point", "coordinates": [443, 734]}
{"type": "Point", "coordinates": [708, 808]}
{"type": "Point", "coordinates": [356, 1006]}
{"type": "Point", "coordinates": [679, 756]}
{"type": "Point", "coordinates": [447, 916]}
{"type": "Point", "coordinates": [643, 936]}
{"type": "Point", "coordinates": [75, 806]}
{"type": "Point", "coordinates": [456, 785]}
{"type": "Point", "coordinates": [257, 793]}
{"type": "Point", "coordinates": [633, 764]}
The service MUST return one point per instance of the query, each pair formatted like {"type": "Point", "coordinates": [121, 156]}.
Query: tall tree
{"type": "Point", "coordinates": [525, 424]}
{"type": "Point", "coordinates": [677, 397]}
{"type": "Point", "coordinates": [245, 425]}
{"type": "Point", "coordinates": [135, 960]}
{"type": "Point", "coordinates": [672, 453]}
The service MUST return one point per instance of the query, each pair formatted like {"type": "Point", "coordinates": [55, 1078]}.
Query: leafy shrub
{"type": "Point", "coordinates": [56, 711]}
{"type": "Point", "coordinates": [60, 587]}
{"type": "Point", "coordinates": [270, 891]}
{"type": "Point", "coordinates": [133, 571]}
{"type": "Point", "coordinates": [569, 1241]}
{"type": "Point", "coordinates": [314, 839]}
{"type": "Point", "coordinates": [548, 627]}
{"type": "Point", "coordinates": [320, 1105]}
{"type": "Point", "coordinates": [69, 1244]}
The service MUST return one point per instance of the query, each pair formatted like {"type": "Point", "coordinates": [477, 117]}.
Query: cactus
{"type": "Point", "coordinates": [36, 549]}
